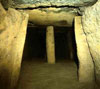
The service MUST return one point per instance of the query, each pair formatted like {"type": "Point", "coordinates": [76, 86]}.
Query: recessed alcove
{"type": "Point", "coordinates": [35, 65]}
{"type": "Point", "coordinates": [65, 44]}
{"type": "Point", "coordinates": [35, 44]}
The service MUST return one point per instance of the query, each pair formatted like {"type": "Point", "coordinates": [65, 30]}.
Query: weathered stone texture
{"type": "Point", "coordinates": [49, 12]}
{"type": "Point", "coordinates": [91, 27]}
{"type": "Point", "coordinates": [56, 2]}
{"type": "Point", "coordinates": [50, 45]}
{"type": "Point", "coordinates": [36, 3]}
{"type": "Point", "coordinates": [12, 36]}
{"type": "Point", "coordinates": [86, 66]}
{"type": "Point", "coordinates": [52, 16]}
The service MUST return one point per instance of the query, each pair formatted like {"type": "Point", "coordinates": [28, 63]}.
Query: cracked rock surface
{"type": "Point", "coordinates": [35, 3]}
{"type": "Point", "coordinates": [66, 10]}
{"type": "Point", "coordinates": [91, 27]}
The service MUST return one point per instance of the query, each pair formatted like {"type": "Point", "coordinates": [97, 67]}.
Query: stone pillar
{"type": "Point", "coordinates": [13, 26]}
{"type": "Point", "coordinates": [50, 45]}
{"type": "Point", "coordinates": [86, 66]}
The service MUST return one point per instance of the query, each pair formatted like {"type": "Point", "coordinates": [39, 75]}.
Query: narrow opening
{"type": "Point", "coordinates": [35, 44]}
{"type": "Point", "coordinates": [65, 45]}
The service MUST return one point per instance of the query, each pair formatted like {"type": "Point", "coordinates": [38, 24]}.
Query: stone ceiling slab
{"type": "Point", "coordinates": [37, 3]}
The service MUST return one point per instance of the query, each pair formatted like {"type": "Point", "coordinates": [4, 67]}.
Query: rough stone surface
{"type": "Point", "coordinates": [86, 66]}
{"type": "Point", "coordinates": [51, 2]}
{"type": "Point", "coordinates": [50, 12]}
{"type": "Point", "coordinates": [91, 27]}
{"type": "Point", "coordinates": [12, 36]}
{"type": "Point", "coordinates": [50, 45]}
{"type": "Point", "coordinates": [52, 16]}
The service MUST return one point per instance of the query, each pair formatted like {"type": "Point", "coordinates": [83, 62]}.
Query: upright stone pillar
{"type": "Point", "coordinates": [86, 66]}
{"type": "Point", "coordinates": [50, 45]}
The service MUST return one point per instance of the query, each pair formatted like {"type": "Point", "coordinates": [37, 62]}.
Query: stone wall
{"type": "Point", "coordinates": [12, 37]}
{"type": "Point", "coordinates": [86, 66]}
{"type": "Point", "coordinates": [91, 28]}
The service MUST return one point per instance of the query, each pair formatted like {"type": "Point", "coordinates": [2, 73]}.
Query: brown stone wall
{"type": "Point", "coordinates": [12, 37]}
{"type": "Point", "coordinates": [86, 66]}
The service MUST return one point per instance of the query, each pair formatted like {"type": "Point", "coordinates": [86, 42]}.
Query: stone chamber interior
{"type": "Point", "coordinates": [50, 59]}
{"type": "Point", "coordinates": [36, 73]}
{"type": "Point", "coordinates": [65, 46]}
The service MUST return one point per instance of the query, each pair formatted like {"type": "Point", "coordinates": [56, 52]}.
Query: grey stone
{"type": "Point", "coordinates": [54, 2]}
{"type": "Point", "coordinates": [49, 2]}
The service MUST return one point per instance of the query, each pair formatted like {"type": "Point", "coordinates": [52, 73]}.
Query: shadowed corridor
{"type": "Point", "coordinates": [36, 73]}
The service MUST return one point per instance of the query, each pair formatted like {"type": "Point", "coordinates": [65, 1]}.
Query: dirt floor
{"type": "Point", "coordinates": [38, 74]}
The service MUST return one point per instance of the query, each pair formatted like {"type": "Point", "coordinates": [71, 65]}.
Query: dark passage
{"type": "Point", "coordinates": [35, 45]}
{"type": "Point", "coordinates": [64, 44]}
{"type": "Point", "coordinates": [36, 73]}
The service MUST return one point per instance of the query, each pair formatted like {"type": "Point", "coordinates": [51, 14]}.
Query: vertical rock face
{"type": "Point", "coordinates": [12, 37]}
{"type": "Point", "coordinates": [86, 66]}
{"type": "Point", "coordinates": [91, 27]}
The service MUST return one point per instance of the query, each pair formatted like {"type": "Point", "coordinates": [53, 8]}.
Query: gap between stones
{"type": "Point", "coordinates": [53, 6]}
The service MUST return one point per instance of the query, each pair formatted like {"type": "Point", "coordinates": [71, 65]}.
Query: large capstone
{"type": "Point", "coordinates": [35, 3]}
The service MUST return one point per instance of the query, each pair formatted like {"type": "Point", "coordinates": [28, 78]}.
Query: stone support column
{"type": "Point", "coordinates": [50, 45]}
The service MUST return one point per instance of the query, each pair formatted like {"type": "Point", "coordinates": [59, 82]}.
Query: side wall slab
{"type": "Point", "coordinates": [12, 37]}
{"type": "Point", "coordinates": [86, 66]}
